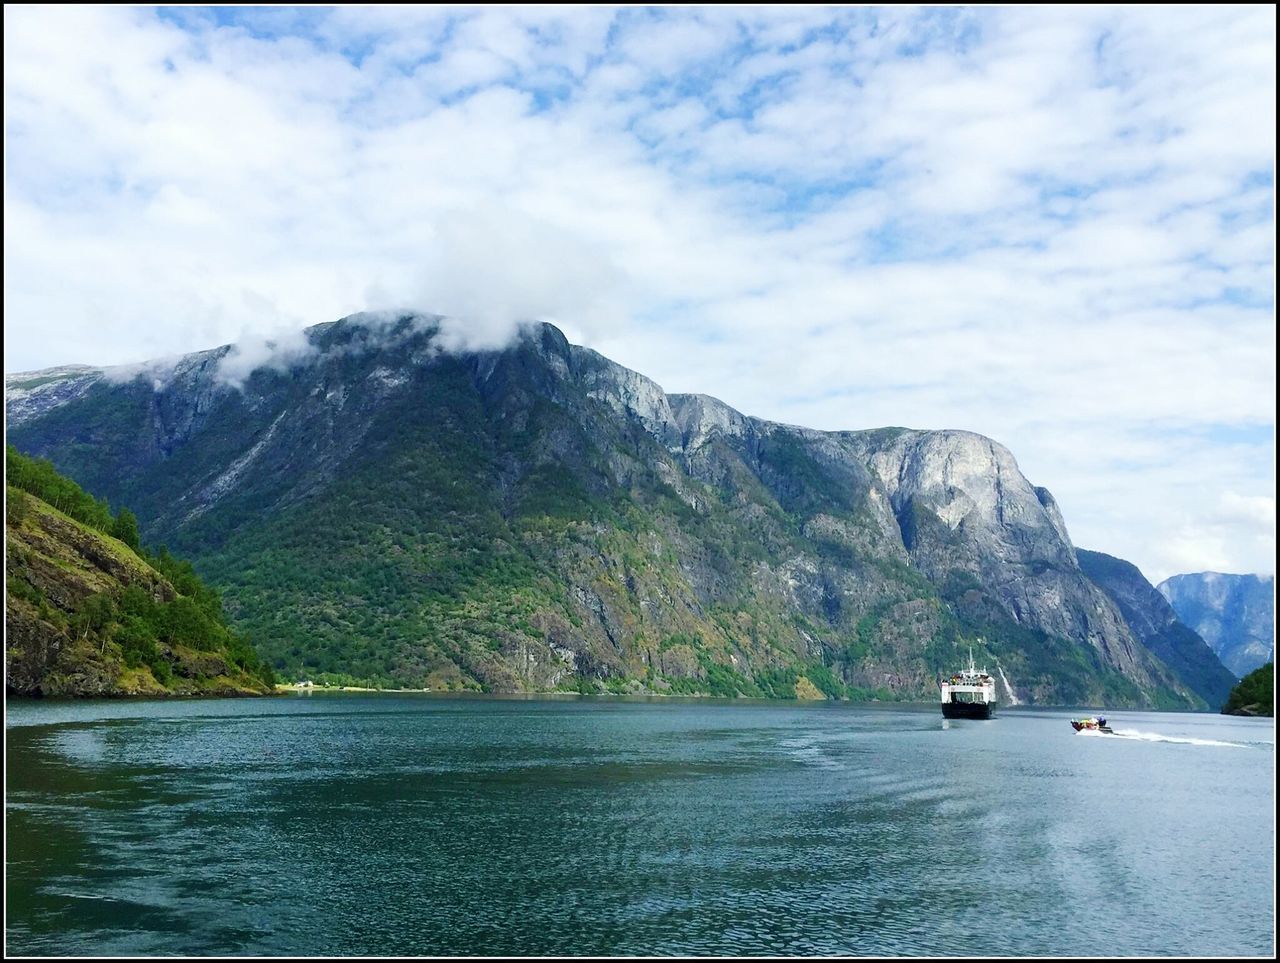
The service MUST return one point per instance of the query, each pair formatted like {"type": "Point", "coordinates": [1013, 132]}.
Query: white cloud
{"type": "Point", "coordinates": [1255, 511]}
{"type": "Point", "coordinates": [490, 268]}
{"type": "Point", "coordinates": [1054, 225]}
{"type": "Point", "coordinates": [278, 347]}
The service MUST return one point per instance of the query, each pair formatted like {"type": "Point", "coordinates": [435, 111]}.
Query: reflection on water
{"type": "Point", "coordinates": [409, 824]}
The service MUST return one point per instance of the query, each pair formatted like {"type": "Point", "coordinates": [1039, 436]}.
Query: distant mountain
{"type": "Point", "coordinates": [86, 615]}
{"type": "Point", "coordinates": [539, 517]}
{"type": "Point", "coordinates": [1235, 614]}
{"type": "Point", "coordinates": [1156, 626]}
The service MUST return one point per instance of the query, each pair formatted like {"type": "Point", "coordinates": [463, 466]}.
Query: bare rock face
{"type": "Point", "coordinates": [971, 481]}
{"type": "Point", "coordinates": [29, 393]}
{"type": "Point", "coordinates": [702, 417]}
{"type": "Point", "coordinates": [628, 393]}
{"type": "Point", "coordinates": [952, 503]}
{"type": "Point", "coordinates": [969, 517]}
{"type": "Point", "coordinates": [639, 535]}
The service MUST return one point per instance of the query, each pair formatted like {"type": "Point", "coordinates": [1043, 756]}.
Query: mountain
{"type": "Point", "coordinates": [1156, 626]}
{"type": "Point", "coordinates": [539, 517]}
{"type": "Point", "coordinates": [1255, 695]}
{"type": "Point", "coordinates": [86, 615]}
{"type": "Point", "coordinates": [1235, 614]}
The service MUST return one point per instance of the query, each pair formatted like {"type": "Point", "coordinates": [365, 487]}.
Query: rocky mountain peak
{"type": "Point", "coordinates": [700, 416]}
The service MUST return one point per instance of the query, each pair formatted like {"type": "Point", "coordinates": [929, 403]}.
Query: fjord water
{"type": "Point", "coordinates": [389, 824]}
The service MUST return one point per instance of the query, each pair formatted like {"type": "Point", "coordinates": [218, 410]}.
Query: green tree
{"type": "Point", "coordinates": [1255, 693]}
{"type": "Point", "coordinates": [40, 478]}
{"type": "Point", "coordinates": [125, 528]}
{"type": "Point", "coordinates": [15, 506]}
{"type": "Point", "coordinates": [94, 615]}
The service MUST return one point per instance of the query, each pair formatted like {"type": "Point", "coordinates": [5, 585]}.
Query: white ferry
{"type": "Point", "coordinates": [969, 694]}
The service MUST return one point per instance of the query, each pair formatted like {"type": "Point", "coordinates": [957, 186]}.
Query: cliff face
{"type": "Point", "coordinates": [1156, 625]}
{"type": "Point", "coordinates": [1235, 614]}
{"type": "Point", "coordinates": [539, 517]}
{"type": "Point", "coordinates": [63, 623]}
{"type": "Point", "coordinates": [979, 530]}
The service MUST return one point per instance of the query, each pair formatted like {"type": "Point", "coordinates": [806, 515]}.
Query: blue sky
{"type": "Point", "coordinates": [1052, 226]}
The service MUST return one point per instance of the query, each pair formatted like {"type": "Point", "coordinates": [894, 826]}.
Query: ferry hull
{"type": "Point", "coordinates": [968, 710]}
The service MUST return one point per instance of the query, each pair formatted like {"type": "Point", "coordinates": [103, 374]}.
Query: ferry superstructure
{"type": "Point", "coordinates": [969, 694]}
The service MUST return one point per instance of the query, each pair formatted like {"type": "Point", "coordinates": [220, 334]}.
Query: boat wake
{"type": "Point", "coordinates": [1139, 736]}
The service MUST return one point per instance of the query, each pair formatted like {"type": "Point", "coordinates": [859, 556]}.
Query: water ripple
{"type": "Point", "coordinates": [411, 826]}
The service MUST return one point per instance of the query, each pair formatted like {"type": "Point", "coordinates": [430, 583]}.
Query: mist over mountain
{"type": "Point", "coordinates": [536, 516]}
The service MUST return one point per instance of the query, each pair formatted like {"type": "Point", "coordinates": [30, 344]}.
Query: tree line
{"type": "Point", "coordinates": [40, 478]}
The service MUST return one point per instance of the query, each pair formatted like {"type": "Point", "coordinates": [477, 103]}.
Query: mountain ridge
{"type": "Point", "coordinates": [1157, 626]}
{"type": "Point", "coordinates": [622, 517]}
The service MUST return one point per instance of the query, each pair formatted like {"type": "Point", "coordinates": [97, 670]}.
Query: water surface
{"type": "Point", "coordinates": [414, 824]}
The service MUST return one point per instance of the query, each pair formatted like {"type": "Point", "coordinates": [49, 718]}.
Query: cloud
{"type": "Point", "coordinates": [157, 372]}
{"type": "Point", "coordinates": [488, 269]}
{"type": "Point", "coordinates": [1053, 226]}
{"type": "Point", "coordinates": [253, 350]}
{"type": "Point", "coordinates": [1257, 511]}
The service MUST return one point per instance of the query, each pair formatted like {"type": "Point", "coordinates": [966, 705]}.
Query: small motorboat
{"type": "Point", "coordinates": [1091, 724]}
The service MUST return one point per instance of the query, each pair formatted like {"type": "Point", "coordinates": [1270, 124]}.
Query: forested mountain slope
{"type": "Point", "coordinates": [87, 614]}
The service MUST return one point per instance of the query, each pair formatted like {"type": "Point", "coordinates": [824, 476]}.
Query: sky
{"type": "Point", "coordinates": [1054, 226]}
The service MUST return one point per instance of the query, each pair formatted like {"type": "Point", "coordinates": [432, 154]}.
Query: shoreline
{"type": "Point", "coordinates": [294, 687]}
